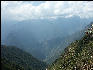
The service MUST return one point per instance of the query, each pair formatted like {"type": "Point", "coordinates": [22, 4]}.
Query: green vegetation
{"type": "Point", "coordinates": [6, 65]}
{"type": "Point", "coordinates": [77, 56]}
{"type": "Point", "coordinates": [16, 59]}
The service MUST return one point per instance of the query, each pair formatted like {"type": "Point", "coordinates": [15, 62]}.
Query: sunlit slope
{"type": "Point", "coordinates": [77, 56]}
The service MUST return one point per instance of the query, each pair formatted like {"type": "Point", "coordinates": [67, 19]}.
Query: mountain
{"type": "Point", "coordinates": [77, 56]}
{"type": "Point", "coordinates": [14, 58]}
{"type": "Point", "coordinates": [6, 65]}
{"type": "Point", "coordinates": [59, 44]}
{"type": "Point", "coordinates": [42, 37]}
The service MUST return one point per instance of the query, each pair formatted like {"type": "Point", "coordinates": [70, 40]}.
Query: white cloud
{"type": "Point", "coordinates": [18, 10]}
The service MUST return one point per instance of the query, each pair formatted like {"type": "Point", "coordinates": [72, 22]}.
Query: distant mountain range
{"type": "Point", "coordinates": [77, 56]}
{"type": "Point", "coordinates": [44, 39]}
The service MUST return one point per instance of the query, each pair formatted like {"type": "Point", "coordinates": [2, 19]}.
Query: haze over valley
{"type": "Point", "coordinates": [41, 30]}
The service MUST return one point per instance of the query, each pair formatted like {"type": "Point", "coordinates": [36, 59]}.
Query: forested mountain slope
{"type": "Point", "coordinates": [77, 56]}
{"type": "Point", "coordinates": [15, 57]}
{"type": "Point", "coordinates": [6, 65]}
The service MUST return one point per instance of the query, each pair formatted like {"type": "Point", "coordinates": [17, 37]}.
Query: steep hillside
{"type": "Point", "coordinates": [6, 65]}
{"type": "Point", "coordinates": [77, 56]}
{"type": "Point", "coordinates": [17, 57]}
{"type": "Point", "coordinates": [59, 44]}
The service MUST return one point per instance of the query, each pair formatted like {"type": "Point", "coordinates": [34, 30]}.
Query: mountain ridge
{"type": "Point", "coordinates": [77, 56]}
{"type": "Point", "coordinates": [21, 58]}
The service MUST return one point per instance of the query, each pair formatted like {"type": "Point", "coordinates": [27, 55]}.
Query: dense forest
{"type": "Point", "coordinates": [14, 58]}
{"type": "Point", "coordinates": [6, 65]}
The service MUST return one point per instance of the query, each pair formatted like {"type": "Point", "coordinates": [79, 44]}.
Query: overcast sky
{"type": "Point", "coordinates": [25, 10]}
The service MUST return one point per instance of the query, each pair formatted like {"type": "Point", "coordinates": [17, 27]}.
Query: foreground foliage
{"type": "Point", "coordinates": [77, 56]}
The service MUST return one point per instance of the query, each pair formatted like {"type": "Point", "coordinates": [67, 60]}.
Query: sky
{"type": "Point", "coordinates": [26, 10]}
